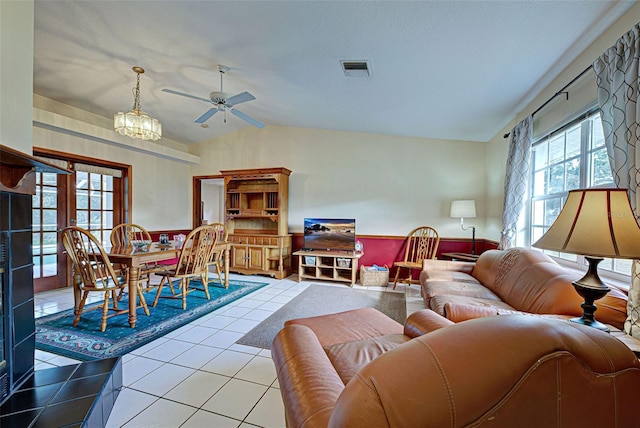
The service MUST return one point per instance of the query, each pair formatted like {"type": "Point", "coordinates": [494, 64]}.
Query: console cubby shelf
{"type": "Point", "coordinates": [327, 265]}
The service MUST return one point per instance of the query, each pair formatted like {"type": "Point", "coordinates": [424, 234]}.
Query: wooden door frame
{"type": "Point", "coordinates": [124, 191]}
{"type": "Point", "coordinates": [197, 197]}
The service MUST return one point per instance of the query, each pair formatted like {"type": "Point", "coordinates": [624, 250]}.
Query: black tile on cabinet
{"type": "Point", "coordinates": [4, 210]}
{"type": "Point", "coordinates": [22, 285]}
{"type": "Point", "coordinates": [92, 368]}
{"type": "Point", "coordinates": [69, 413]}
{"type": "Point", "coordinates": [27, 399]}
{"type": "Point", "coordinates": [21, 249]}
{"type": "Point", "coordinates": [21, 419]}
{"type": "Point", "coordinates": [47, 377]}
{"type": "Point", "coordinates": [78, 388]}
{"type": "Point", "coordinates": [21, 212]}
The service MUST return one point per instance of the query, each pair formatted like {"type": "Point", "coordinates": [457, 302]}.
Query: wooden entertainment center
{"type": "Point", "coordinates": [256, 217]}
{"type": "Point", "coordinates": [328, 265]}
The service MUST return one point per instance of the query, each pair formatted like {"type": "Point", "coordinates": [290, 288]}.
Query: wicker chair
{"type": "Point", "coordinates": [422, 243]}
{"type": "Point", "coordinates": [96, 272]}
{"type": "Point", "coordinates": [192, 262]}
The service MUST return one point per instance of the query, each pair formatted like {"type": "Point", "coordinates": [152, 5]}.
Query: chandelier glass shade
{"type": "Point", "coordinates": [136, 123]}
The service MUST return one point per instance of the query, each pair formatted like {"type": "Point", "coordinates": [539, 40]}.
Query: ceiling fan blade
{"type": "Point", "coordinates": [182, 94]}
{"type": "Point", "coordinates": [207, 115]}
{"type": "Point", "coordinates": [249, 119]}
{"type": "Point", "coordinates": [239, 98]}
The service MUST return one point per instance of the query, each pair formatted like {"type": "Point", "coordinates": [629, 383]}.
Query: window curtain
{"type": "Point", "coordinates": [516, 183]}
{"type": "Point", "coordinates": [617, 79]}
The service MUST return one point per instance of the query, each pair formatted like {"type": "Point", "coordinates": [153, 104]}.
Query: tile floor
{"type": "Point", "coordinates": [197, 376]}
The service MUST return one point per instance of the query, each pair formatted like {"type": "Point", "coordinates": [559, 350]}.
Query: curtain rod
{"type": "Point", "coordinates": [561, 91]}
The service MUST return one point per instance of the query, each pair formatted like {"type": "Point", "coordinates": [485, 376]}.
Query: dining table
{"type": "Point", "coordinates": [134, 258]}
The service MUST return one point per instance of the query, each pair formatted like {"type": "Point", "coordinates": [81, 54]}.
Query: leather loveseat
{"type": "Point", "coordinates": [507, 282]}
{"type": "Point", "coordinates": [362, 369]}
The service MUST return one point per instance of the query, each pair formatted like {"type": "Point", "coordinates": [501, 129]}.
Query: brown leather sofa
{"type": "Point", "coordinates": [517, 280]}
{"type": "Point", "coordinates": [362, 369]}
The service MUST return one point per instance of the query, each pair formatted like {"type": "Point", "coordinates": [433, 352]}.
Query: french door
{"type": "Point", "coordinates": [49, 214]}
{"type": "Point", "coordinates": [92, 197]}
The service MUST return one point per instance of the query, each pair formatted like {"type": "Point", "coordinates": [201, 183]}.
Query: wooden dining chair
{"type": "Point", "coordinates": [124, 235]}
{"type": "Point", "coordinates": [194, 258]}
{"type": "Point", "coordinates": [422, 243]}
{"type": "Point", "coordinates": [97, 274]}
{"type": "Point", "coordinates": [217, 256]}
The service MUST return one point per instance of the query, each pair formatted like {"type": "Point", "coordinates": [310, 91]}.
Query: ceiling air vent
{"type": "Point", "coordinates": [356, 68]}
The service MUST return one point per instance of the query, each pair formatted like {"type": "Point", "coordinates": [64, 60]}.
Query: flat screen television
{"type": "Point", "coordinates": [329, 234]}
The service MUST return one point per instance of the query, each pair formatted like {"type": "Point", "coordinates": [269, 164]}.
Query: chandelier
{"type": "Point", "coordinates": [136, 123]}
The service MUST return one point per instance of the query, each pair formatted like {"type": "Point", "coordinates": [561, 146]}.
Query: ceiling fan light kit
{"type": "Point", "coordinates": [222, 102]}
{"type": "Point", "coordinates": [136, 123]}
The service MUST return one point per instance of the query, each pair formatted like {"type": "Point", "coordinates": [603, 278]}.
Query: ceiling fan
{"type": "Point", "coordinates": [222, 102]}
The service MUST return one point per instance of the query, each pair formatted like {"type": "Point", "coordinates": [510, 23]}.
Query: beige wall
{"type": "Point", "coordinates": [161, 187]}
{"type": "Point", "coordinates": [16, 74]}
{"type": "Point", "coordinates": [390, 184]}
{"type": "Point", "coordinates": [583, 92]}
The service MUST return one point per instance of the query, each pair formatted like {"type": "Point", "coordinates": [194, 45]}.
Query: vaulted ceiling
{"type": "Point", "coordinates": [439, 69]}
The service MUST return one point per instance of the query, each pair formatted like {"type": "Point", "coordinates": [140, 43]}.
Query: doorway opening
{"type": "Point", "coordinates": [208, 199]}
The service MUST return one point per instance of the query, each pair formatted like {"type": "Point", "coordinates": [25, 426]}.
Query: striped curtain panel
{"type": "Point", "coordinates": [617, 79]}
{"type": "Point", "coordinates": [516, 183]}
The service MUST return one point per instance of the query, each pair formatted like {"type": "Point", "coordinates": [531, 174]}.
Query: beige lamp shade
{"type": "Point", "coordinates": [463, 208]}
{"type": "Point", "coordinates": [597, 223]}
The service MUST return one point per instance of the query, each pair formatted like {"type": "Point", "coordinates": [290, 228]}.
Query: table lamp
{"type": "Point", "coordinates": [465, 208]}
{"type": "Point", "coordinates": [595, 223]}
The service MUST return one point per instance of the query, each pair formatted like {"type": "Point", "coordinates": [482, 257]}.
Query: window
{"type": "Point", "coordinates": [572, 157]}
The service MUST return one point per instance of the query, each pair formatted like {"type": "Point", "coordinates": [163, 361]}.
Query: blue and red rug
{"type": "Point", "coordinates": [56, 333]}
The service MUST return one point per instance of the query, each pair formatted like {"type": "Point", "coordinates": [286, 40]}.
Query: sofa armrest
{"type": "Point", "coordinates": [431, 264]}
{"type": "Point", "coordinates": [309, 383]}
{"type": "Point", "coordinates": [424, 321]}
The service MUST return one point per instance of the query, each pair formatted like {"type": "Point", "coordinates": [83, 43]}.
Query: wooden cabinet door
{"type": "Point", "coordinates": [256, 258]}
{"type": "Point", "coordinates": [239, 256]}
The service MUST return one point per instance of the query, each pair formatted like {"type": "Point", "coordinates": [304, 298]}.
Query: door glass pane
{"type": "Point", "coordinates": [95, 206]}
{"type": "Point", "coordinates": [96, 202]}
{"type": "Point", "coordinates": [49, 220]}
{"type": "Point", "coordinates": [82, 199]}
{"type": "Point", "coordinates": [44, 217]}
{"type": "Point", "coordinates": [50, 265]}
{"type": "Point", "coordinates": [95, 181]}
{"type": "Point", "coordinates": [107, 183]}
{"type": "Point", "coordinates": [49, 197]}
{"type": "Point", "coordinates": [82, 219]}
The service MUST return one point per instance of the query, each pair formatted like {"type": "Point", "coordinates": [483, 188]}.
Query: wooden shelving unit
{"type": "Point", "coordinates": [328, 265]}
{"type": "Point", "coordinates": [256, 216]}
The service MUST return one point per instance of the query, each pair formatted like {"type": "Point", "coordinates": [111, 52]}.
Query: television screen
{"type": "Point", "coordinates": [329, 234]}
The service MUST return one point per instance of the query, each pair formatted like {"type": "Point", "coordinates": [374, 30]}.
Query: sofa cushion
{"type": "Point", "coordinates": [437, 288]}
{"type": "Point", "coordinates": [349, 357]}
{"type": "Point", "coordinates": [487, 266]}
{"type": "Point", "coordinates": [441, 304]}
{"type": "Point", "coordinates": [447, 275]}
{"type": "Point", "coordinates": [357, 324]}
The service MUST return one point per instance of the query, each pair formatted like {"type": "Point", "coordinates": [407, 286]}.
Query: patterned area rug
{"type": "Point", "coordinates": [55, 333]}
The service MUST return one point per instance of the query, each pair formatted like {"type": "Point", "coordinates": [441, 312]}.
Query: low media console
{"type": "Point", "coordinates": [328, 265]}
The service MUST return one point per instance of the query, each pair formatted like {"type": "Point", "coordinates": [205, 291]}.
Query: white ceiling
{"type": "Point", "coordinates": [440, 69]}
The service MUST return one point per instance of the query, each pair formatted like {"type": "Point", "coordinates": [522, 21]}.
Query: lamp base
{"type": "Point", "coordinates": [589, 323]}
{"type": "Point", "coordinates": [591, 288]}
